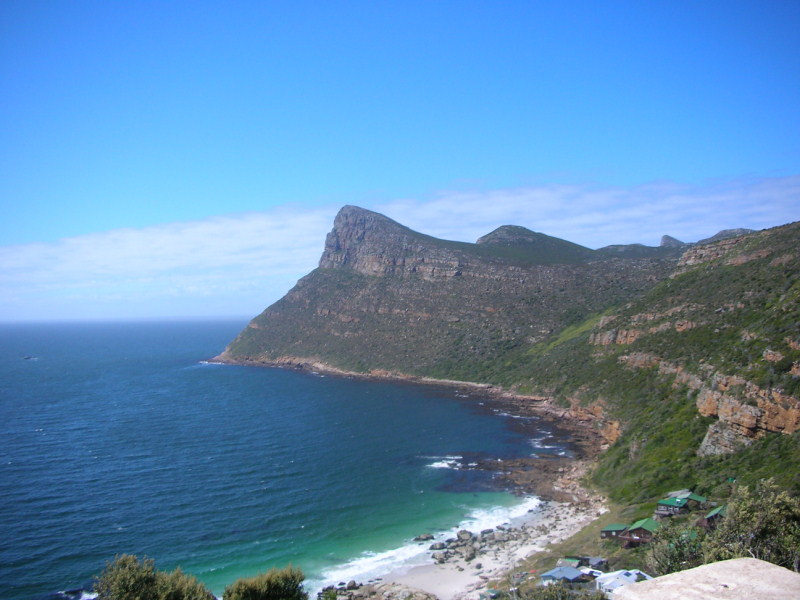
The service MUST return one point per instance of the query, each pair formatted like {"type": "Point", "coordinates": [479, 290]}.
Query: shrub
{"type": "Point", "coordinates": [177, 585]}
{"type": "Point", "coordinates": [763, 523]}
{"type": "Point", "coordinates": [276, 584]}
{"type": "Point", "coordinates": [674, 548]}
{"type": "Point", "coordinates": [559, 591]}
{"type": "Point", "coordinates": [128, 578]}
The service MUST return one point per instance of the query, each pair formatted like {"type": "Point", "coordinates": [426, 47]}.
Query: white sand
{"type": "Point", "coordinates": [459, 580]}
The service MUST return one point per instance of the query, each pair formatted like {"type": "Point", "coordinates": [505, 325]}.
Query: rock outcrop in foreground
{"type": "Point", "coordinates": [736, 579]}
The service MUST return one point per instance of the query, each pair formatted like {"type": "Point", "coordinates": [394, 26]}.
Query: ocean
{"type": "Point", "coordinates": [119, 438]}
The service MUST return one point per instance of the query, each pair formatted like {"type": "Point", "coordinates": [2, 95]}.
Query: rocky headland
{"type": "Point", "coordinates": [636, 353]}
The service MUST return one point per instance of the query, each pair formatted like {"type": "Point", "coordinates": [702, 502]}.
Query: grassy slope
{"type": "Point", "coordinates": [663, 429]}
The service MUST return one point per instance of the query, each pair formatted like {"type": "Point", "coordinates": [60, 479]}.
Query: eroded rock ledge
{"type": "Point", "coordinates": [745, 411]}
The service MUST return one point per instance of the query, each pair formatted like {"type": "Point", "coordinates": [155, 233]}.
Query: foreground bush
{"type": "Point", "coordinates": [128, 578]}
{"type": "Point", "coordinates": [560, 591]}
{"type": "Point", "coordinates": [276, 584]}
{"type": "Point", "coordinates": [761, 522]}
{"type": "Point", "coordinates": [177, 585]}
{"type": "Point", "coordinates": [675, 548]}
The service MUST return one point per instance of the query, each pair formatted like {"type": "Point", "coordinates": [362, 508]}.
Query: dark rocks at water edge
{"type": "Point", "coordinates": [468, 546]}
{"type": "Point", "coordinates": [81, 593]}
{"type": "Point", "coordinates": [375, 590]}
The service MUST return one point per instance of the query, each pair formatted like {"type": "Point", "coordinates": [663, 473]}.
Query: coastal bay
{"type": "Point", "coordinates": [118, 438]}
{"type": "Point", "coordinates": [555, 504]}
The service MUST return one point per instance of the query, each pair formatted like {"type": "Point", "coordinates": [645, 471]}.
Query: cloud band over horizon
{"type": "Point", "coordinates": [236, 265]}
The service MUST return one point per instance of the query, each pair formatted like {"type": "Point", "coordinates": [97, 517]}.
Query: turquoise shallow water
{"type": "Point", "coordinates": [117, 438]}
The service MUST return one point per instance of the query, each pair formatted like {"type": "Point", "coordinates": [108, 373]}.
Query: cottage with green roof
{"type": "Point", "coordinates": [696, 498]}
{"type": "Point", "coordinates": [640, 532]}
{"type": "Point", "coordinates": [713, 518]}
{"type": "Point", "coordinates": [612, 531]}
{"type": "Point", "coordinates": [671, 506]}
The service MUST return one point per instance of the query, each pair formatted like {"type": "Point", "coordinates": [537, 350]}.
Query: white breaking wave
{"type": "Point", "coordinates": [372, 565]}
{"type": "Point", "coordinates": [445, 462]}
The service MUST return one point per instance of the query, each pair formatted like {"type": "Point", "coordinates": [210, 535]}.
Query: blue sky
{"type": "Point", "coordinates": [166, 159]}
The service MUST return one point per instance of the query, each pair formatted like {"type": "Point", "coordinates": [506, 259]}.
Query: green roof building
{"type": "Point", "coordinates": [671, 506]}
{"type": "Point", "coordinates": [648, 524]}
{"type": "Point", "coordinates": [713, 517]}
{"type": "Point", "coordinates": [694, 497]}
{"type": "Point", "coordinates": [640, 532]}
{"type": "Point", "coordinates": [613, 530]}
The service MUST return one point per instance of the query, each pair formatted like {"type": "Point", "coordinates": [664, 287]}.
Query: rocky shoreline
{"type": "Point", "coordinates": [462, 566]}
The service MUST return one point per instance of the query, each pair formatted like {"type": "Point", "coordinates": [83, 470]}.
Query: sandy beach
{"type": "Point", "coordinates": [465, 566]}
{"type": "Point", "coordinates": [567, 507]}
{"type": "Point", "coordinates": [458, 579]}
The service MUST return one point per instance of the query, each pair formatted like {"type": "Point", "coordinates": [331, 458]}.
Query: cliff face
{"type": "Point", "coordinates": [372, 244]}
{"type": "Point", "coordinates": [742, 410]}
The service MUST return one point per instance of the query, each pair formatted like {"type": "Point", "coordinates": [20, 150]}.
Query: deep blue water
{"type": "Point", "coordinates": [117, 438]}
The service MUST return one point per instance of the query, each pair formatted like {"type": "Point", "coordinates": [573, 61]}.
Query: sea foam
{"type": "Point", "coordinates": [445, 462]}
{"type": "Point", "coordinates": [373, 565]}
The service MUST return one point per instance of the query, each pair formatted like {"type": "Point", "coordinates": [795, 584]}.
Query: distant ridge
{"type": "Point", "coordinates": [668, 241]}
{"type": "Point", "coordinates": [726, 234]}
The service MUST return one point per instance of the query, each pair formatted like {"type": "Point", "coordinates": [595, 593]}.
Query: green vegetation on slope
{"type": "Point", "coordinates": [735, 315]}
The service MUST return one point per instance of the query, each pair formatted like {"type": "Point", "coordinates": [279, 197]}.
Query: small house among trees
{"type": "Point", "coordinates": [667, 507]}
{"type": "Point", "coordinates": [609, 582]}
{"type": "Point", "coordinates": [640, 532]}
{"type": "Point", "coordinates": [612, 531]}
{"type": "Point", "coordinates": [565, 574]}
{"type": "Point", "coordinates": [712, 519]}
{"type": "Point", "coordinates": [695, 500]}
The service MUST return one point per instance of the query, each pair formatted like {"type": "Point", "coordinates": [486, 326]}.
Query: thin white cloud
{"type": "Point", "coordinates": [248, 259]}
{"type": "Point", "coordinates": [238, 264]}
{"type": "Point", "coordinates": [597, 216]}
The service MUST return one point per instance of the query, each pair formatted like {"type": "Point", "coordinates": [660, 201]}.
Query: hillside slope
{"type": "Point", "coordinates": [685, 357]}
{"type": "Point", "coordinates": [387, 298]}
{"type": "Point", "coordinates": [698, 379]}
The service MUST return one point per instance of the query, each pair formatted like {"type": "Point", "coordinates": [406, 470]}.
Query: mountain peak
{"type": "Point", "coordinates": [508, 234]}
{"type": "Point", "coordinates": [373, 244]}
{"type": "Point", "coordinates": [513, 241]}
{"type": "Point", "coordinates": [667, 241]}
